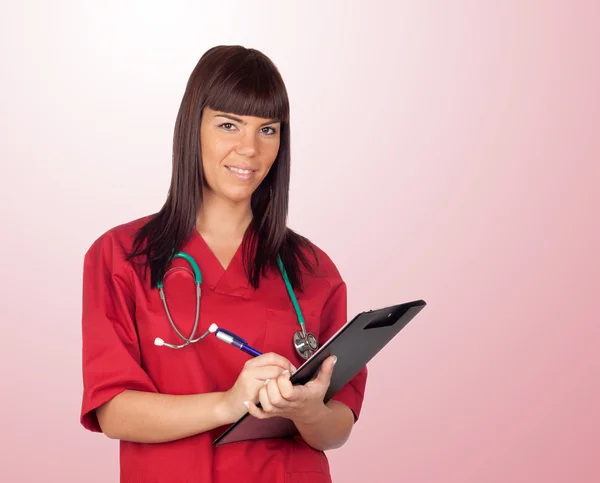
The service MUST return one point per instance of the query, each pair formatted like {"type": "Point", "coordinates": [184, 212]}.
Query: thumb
{"type": "Point", "coordinates": [324, 376]}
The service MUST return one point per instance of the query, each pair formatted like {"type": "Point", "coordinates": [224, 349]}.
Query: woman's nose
{"type": "Point", "coordinates": [247, 145]}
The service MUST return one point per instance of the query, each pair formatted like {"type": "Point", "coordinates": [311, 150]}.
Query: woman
{"type": "Point", "coordinates": [226, 208]}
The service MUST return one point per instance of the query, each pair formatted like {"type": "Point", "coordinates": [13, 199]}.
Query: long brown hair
{"type": "Point", "coordinates": [245, 82]}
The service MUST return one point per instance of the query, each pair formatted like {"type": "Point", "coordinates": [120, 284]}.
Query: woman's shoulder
{"type": "Point", "coordinates": [117, 240]}
{"type": "Point", "coordinates": [322, 262]}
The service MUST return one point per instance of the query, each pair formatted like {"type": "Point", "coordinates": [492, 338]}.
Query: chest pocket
{"type": "Point", "coordinates": [281, 325]}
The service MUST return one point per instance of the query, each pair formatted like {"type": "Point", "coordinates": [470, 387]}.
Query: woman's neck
{"type": "Point", "coordinates": [220, 218]}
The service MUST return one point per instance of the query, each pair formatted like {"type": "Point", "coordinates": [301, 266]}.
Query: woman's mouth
{"type": "Point", "coordinates": [241, 173]}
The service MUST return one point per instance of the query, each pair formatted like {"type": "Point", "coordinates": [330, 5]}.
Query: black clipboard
{"type": "Point", "coordinates": [354, 345]}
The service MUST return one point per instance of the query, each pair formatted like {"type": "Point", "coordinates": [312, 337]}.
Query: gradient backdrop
{"type": "Point", "coordinates": [441, 150]}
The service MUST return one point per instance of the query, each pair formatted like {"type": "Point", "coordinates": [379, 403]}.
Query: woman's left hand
{"type": "Point", "coordinates": [301, 403]}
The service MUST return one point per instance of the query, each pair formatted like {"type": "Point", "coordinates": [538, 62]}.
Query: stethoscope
{"type": "Point", "coordinates": [305, 343]}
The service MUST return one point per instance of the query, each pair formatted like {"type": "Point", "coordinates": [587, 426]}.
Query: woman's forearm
{"type": "Point", "coordinates": [145, 417]}
{"type": "Point", "coordinates": [328, 428]}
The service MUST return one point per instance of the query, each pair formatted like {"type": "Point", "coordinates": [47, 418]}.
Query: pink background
{"type": "Point", "coordinates": [441, 150]}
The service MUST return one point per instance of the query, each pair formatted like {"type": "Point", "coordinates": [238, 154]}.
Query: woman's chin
{"type": "Point", "coordinates": [238, 195]}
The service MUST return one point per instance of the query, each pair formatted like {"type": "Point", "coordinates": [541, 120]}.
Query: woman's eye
{"type": "Point", "coordinates": [227, 126]}
{"type": "Point", "coordinates": [271, 132]}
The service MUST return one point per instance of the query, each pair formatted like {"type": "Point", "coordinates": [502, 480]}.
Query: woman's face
{"type": "Point", "coordinates": [237, 152]}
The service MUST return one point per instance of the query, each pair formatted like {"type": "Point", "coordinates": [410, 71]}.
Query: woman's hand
{"type": "Point", "coordinates": [251, 379]}
{"type": "Point", "coordinates": [303, 404]}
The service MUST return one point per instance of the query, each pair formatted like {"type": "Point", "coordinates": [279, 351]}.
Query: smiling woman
{"type": "Point", "coordinates": [245, 88]}
{"type": "Point", "coordinates": [225, 215]}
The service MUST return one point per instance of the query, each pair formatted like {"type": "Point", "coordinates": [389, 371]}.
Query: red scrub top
{"type": "Point", "coordinates": [122, 316]}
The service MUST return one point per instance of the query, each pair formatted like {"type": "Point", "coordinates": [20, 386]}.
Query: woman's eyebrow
{"type": "Point", "coordinates": [237, 119]}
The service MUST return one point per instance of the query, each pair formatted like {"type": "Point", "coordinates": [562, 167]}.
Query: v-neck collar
{"type": "Point", "coordinates": [228, 281]}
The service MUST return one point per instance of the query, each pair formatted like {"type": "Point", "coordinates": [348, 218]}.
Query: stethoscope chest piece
{"type": "Point", "coordinates": [305, 346]}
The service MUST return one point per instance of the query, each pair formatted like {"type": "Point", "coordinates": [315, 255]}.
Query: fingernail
{"type": "Point", "coordinates": [246, 404]}
{"type": "Point", "coordinates": [267, 381]}
{"type": "Point", "coordinates": [294, 369]}
{"type": "Point", "coordinates": [285, 372]}
{"type": "Point", "coordinates": [334, 360]}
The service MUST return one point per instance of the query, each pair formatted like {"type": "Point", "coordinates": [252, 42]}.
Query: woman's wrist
{"type": "Point", "coordinates": [328, 427]}
{"type": "Point", "coordinates": [228, 409]}
{"type": "Point", "coordinates": [311, 416]}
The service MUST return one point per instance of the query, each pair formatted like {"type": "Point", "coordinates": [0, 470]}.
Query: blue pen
{"type": "Point", "coordinates": [232, 339]}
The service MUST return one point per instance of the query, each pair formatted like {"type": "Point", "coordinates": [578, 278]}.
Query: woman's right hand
{"type": "Point", "coordinates": [255, 373]}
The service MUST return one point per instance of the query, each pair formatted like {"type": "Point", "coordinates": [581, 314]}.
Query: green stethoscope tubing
{"type": "Point", "coordinates": [192, 262]}
{"type": "Point", "coordinates": [198, 283]}
{"type": "Point", "coordinates": [292, 295]}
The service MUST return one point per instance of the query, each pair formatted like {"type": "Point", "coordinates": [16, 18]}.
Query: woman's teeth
{"type": "Point", "coordinates": [239, 170]}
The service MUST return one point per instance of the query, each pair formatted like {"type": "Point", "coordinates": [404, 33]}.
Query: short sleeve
{"type": "Point", "coordinates": [333, 317]}
{"type": "Point", "coordinates": [110, 347]}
